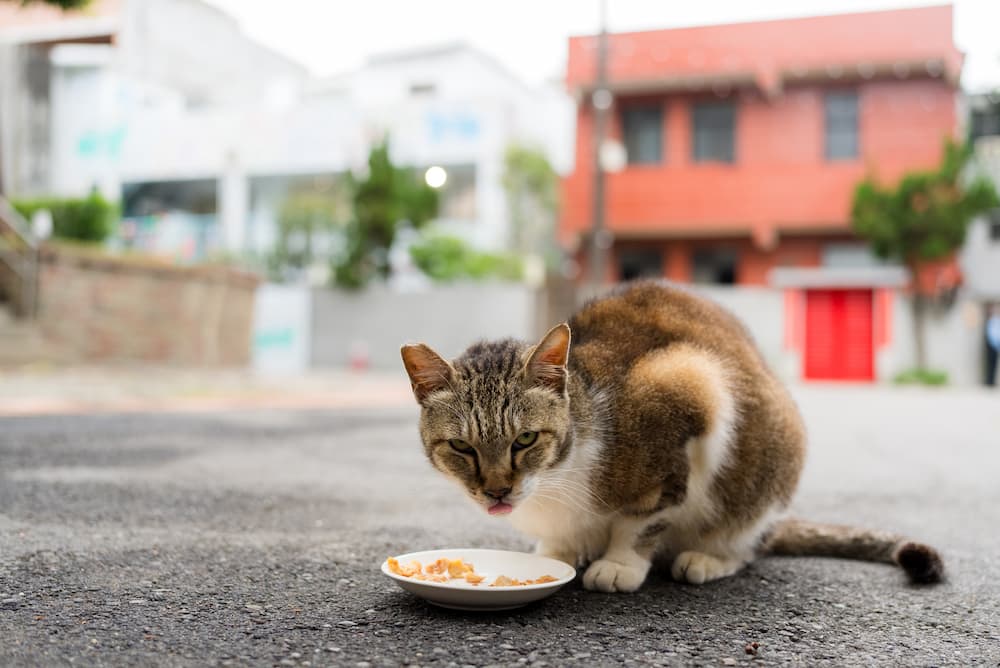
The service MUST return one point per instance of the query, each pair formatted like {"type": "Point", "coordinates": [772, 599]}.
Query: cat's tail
{"type": "Point", "coordinates": [795, 537]}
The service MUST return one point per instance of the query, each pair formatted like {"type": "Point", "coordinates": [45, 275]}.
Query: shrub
{"type": "Point", "coordinates": [445, 259]}
{"type": "Point", "coordinates": [921, 377]}
{"type": "Point", "coordinates": [91, 218]}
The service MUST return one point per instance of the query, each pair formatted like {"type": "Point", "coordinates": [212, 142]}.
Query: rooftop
{"type": "Point", "coordinates": [769, 54]}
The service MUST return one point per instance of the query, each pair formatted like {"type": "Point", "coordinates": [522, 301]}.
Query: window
{"type": "Point", "coordinates": [643, 130]}
{"type": "Point", "coordinates": [640, 263]}
{"type": "Point", "coordinates": [841, 111]}
{"type": "Point", "coordinates": [995, 225]}
{"type": "Point", "coordinates": [714, 266]}
{"type": "Point", "coordinates": [985, 122]}
{"type": "Point", "coordinates": [714, 131]}
{"type": "Point", "coordinates": [419, 89]}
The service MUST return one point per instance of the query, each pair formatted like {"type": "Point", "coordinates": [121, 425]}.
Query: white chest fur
{"type": "Point", "coordinates": [563, 510]}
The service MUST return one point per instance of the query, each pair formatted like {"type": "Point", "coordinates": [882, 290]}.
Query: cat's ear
{"type": "Point", "coordinates": [546, 366]}
{"type": "Point", "coordinates": [427, 370]}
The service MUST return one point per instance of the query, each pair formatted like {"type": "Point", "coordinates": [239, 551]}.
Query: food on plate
{"type": "Point", "coordinates": [504, 581]}
{"type": "Point", "coordinates": [445, 570]}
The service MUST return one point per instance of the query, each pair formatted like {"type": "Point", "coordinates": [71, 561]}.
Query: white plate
{"type": "Point", "coordinates": [460, 595]}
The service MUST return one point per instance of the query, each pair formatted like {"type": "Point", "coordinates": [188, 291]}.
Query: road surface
{"type": "Point", "coordinates": [253, 537]}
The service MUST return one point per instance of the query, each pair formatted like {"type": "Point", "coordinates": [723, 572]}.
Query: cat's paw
{"type": "Point", "coordinates": [611, 576]}
{"type": "Point", "coordinates": [698, 567]}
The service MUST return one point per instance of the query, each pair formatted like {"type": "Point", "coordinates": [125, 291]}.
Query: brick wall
{"type": "Point", "coordinates": [100, 307]}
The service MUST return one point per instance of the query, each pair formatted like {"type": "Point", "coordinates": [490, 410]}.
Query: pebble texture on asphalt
{"type": "Point", "coordinates": [255, 538]}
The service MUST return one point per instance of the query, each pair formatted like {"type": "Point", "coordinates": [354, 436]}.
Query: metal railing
{"type": "Point", "coordinates": [18, 262]}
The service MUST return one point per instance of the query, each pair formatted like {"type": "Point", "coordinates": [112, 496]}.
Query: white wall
{"type": "Point", "coordinates": [980, 260]}
{"type": "Point", "coordinates": [954, 340]}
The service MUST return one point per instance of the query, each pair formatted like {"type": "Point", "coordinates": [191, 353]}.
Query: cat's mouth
{"type": "Point", "coordinates": [500, 508]}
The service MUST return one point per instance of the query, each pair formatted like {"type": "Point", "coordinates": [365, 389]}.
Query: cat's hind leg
{"type": "Point", "coordinates": [721, 553]}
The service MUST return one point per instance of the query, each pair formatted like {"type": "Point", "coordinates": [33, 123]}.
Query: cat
{"type": "Point", "coordinates": [648, 426]}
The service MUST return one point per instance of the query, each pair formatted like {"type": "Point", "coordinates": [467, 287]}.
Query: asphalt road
{"type": "Point", "coordinates": [255, 537]}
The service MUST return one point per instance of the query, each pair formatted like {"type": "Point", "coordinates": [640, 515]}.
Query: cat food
{"type": "Point", "coordinates": [444, 570]}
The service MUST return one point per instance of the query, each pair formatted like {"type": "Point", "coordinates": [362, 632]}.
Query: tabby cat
{"type": "Point", "coordinates": [659, 431]}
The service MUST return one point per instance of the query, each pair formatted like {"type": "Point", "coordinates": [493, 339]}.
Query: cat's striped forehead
{"type": "Point", "coordinates": [494, 359]}
{"type": "Point", "coordinates": [488, 379]}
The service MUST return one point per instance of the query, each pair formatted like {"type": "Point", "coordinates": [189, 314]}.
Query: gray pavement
{"type": "Point", "coordinates": [254, 537]}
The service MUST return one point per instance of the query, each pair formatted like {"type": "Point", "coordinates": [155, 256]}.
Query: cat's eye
{"type": "Point", "coordinates": [458, 445]}
{"type": "Point", "coordinates": [525, 440]}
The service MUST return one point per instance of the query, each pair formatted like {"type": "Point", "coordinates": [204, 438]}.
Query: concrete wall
{"type": "Point", "coordinates": [762, 311]}
{"type": "Point", "coordinates": [449, 318]}
{"type": "Point", "coordinates": [99, 307]}
{"type": "Point", "coordinates": [373, 324]}
{"type": "Point", "coordinates": [980, 256]}
{"type": "Point", "coordinates": [376, 322]}
{"type": "Point", "coordinates": [954, 340]}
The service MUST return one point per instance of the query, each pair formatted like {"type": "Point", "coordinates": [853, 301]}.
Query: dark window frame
{"type": "Point", "coordinates": [642, 113]}
{"type": "Point", "coordinates": [841, 125]}
{"type": "Point", "coordinates": [713, 132]}
{"type": "Point", "coordinates": [723, 262]}
{"type": "Point", "coordinates": [644, 259]}
{"type": "Point", "coordinates": [993, 231]}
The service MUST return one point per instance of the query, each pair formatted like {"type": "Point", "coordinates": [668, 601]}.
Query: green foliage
{"type": "Point", "coordinates": [921, 377]}
{"type": "Point", "coordinates": [926, 215]}
{"type": "Point", "coordinates": [90, 219]}
{"type": "Point", "coordinates": [384, 199]}
{"type": "Point", "coordinates": [445, 259]}
{"type": "Point", "coordinates": [532, 189]}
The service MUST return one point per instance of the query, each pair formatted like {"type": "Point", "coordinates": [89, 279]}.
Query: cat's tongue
{"type": "Point", "coordinates": [500, 508]}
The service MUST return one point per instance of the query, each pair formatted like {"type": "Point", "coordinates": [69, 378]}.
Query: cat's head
{"type": "Point", "coordinates": [497, 416]}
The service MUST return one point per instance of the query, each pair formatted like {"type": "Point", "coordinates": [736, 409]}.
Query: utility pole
{"type": "Point", "coordinates": [600, 103]}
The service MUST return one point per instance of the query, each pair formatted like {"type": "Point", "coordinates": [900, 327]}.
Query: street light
{"type": "Point", "coordinates": [435, 176]}
{"type": "Point", "coordinates": [601, 100]}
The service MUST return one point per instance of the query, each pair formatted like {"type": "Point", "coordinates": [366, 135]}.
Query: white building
{"type": "Point", "coordinates": [202, 132]}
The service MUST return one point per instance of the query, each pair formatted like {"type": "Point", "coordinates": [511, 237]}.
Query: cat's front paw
{"type": "Point", "coordinates": [698, 567]}
{"type": "Point", "coordinates": [611, 576]}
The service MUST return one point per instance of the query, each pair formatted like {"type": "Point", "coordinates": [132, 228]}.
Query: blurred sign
{"type": "Point", "coordinates": [281, 329]}
{"type": "Point", "coordinates": [455, 125]}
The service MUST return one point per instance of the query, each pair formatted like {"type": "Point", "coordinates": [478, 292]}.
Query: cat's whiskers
{"type": "Point", "coordinates": [571, 490]}
{"type": "Point", "coordinates": [568, 502]}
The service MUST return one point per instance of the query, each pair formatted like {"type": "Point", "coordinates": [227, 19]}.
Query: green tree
{"type": "Point", "coordinates": [532, 189]}
{"type": "Point", "coordinates": [922, 218]}
{"type": "Point", "coordinates": [387, 197]}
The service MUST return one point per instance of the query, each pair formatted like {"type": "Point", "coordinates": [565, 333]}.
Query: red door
{"type": "Point", "coordinates": [839, 335]}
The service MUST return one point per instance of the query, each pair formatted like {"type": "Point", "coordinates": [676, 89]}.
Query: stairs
{"type": "Point", "coordinates": [22, 343]}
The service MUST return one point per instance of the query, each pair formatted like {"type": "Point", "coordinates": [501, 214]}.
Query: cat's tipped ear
{"type": "Point", "coordinates": [427, 370]}
{"type": "Point", "coordinates": [547, 365]}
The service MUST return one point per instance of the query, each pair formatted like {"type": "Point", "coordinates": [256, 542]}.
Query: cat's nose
{"type": "Point", "coordinates": [497, 493]}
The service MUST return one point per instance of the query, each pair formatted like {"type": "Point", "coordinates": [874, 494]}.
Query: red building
{"type": "Point", "coordinates": [745, 141]}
